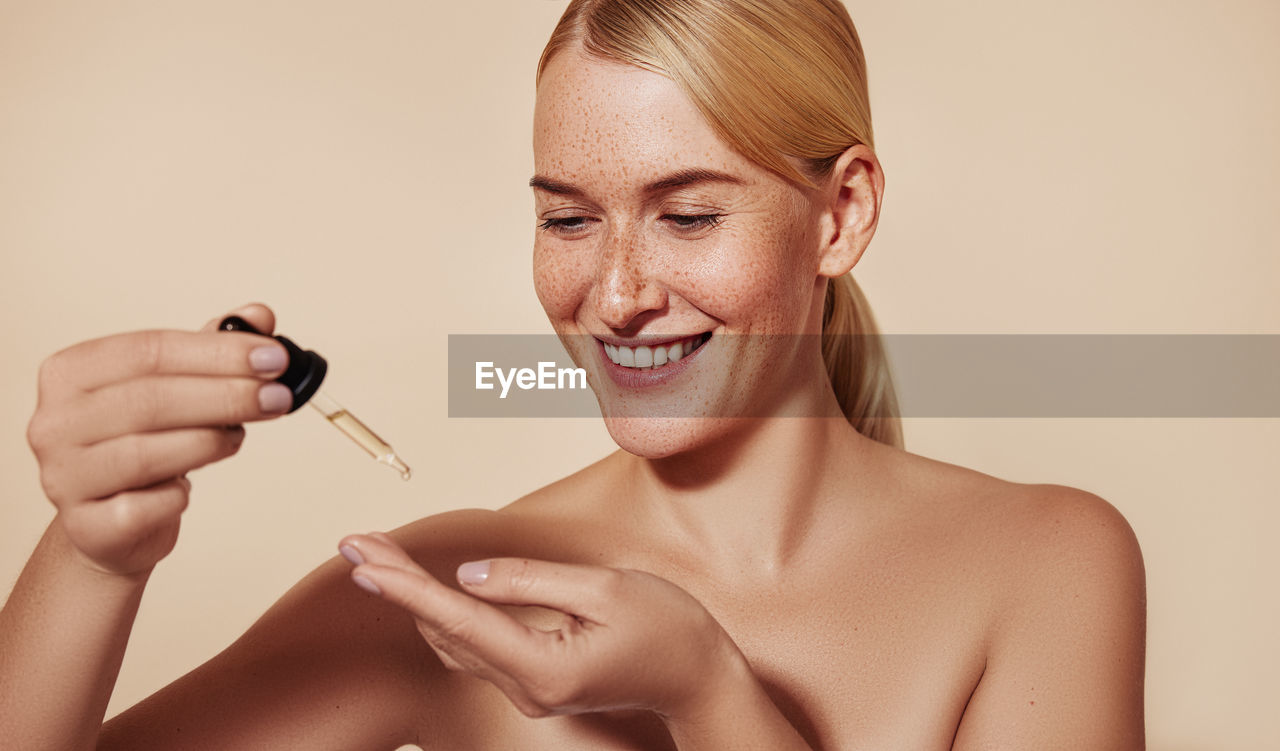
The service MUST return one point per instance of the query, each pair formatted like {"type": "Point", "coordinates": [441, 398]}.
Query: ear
{"type": "Point", "coordinates": [852, 194]}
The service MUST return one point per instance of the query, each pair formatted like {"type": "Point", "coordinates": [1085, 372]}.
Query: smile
{"type": "Point", "coordinates": [655, 357]}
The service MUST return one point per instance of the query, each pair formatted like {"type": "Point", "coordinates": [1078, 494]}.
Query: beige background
{"type": "Point", "coordinates": [1095, 166]}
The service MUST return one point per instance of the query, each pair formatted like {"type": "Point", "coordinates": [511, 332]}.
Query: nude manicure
{"type": "Point", "coordinates": [366, 585]}
{"type": "Point", "coordinates": [475, 572]}
{"type": "Point", "coordinates": [268, 359]}
{"type": "Point", "coordinates": [274, 397]}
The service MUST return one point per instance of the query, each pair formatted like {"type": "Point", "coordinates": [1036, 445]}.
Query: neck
{"type": "Point", "coordinates": [751, 500]}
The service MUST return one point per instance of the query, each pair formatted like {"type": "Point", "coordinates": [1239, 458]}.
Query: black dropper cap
{"type": "Point", "coordinates": [306, 368]}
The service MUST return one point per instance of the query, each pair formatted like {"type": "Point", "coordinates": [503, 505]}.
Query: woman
{"type": "Point", "coordinates": [762, 566]}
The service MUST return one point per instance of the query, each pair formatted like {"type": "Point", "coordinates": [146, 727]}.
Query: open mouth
{"type": "Point", "coordinates": [655, 357]}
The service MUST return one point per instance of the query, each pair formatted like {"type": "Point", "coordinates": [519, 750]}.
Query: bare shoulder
{"type": "Point", "coordinates": [1039, 534]}
{"type": "Point", "coordinates": [556, 522]}
{"type": "Point", "coordinates": [1064, 538]}
{"type": "Point", "coordinates": [1063, 573]}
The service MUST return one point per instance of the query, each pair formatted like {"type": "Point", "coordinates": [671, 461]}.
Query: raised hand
{"type": "Point", "coordinates": [120, 421]}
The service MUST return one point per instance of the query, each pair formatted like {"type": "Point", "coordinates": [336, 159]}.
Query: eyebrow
{"type": "Point", "coordinates": [677, 179]}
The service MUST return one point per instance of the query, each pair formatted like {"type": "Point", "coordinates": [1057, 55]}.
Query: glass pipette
{"type": "Point", "coordinates": [303, 376]}
{"type": "Point", "coordinates": [359, 432]}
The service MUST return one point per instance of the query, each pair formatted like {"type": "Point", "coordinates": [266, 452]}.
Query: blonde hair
{"type": "Point", "coordinates": [775, 79]}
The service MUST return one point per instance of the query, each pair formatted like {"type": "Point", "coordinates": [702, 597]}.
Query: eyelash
{"type": "Point", "coordinates": [695, 221]}
{"type": "Point", "coordinates": [699, 221]}
{"type": "Point", "coordinates": [562, 223]}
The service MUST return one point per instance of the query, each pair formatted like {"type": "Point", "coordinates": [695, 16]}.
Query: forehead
{"type": "Point", "coordinates": [599, 120]}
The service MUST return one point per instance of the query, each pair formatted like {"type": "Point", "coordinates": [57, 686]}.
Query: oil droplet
{"type": "Point", "coordinates": [396, 463]}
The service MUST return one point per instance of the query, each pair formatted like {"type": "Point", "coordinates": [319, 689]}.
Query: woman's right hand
{"type": "Point", "coordinates": [120, 420]}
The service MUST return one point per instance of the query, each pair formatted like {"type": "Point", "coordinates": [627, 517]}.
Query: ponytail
{"type": "Point", "coordinates": [853, 352]}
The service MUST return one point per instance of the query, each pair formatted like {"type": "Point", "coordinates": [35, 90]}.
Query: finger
{"type": "Point", "coordinates": [462, 625]}
{"type": "Point", "coordinates": [171, 402]}
{"type": "Point", "coordinates": [258, 315]}
{"type": "Point", "coordinates": [447, 659]}
{"type": "Point", "coordinates": [379, 548]}
{"type": "Point", "coordinates": [137, 460]}
{"type": "Point", "coordinates": [578, 590]}
{"type": "Point", "coordinates": [453, 617]}
{"type": "Point", "coordinates": [98, 363]}
{"type": "Point", "coordinates": [138, 524]}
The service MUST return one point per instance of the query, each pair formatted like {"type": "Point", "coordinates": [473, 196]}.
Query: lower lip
{"type": "Point", "coordinates": [635, 378]}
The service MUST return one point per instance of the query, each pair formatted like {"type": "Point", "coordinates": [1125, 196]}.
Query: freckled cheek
{"type": "Point", "coordinates": [560, 280]}
{"type": "Point", "coordinates": [750, 284]}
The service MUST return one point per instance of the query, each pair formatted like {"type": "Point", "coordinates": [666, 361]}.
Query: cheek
{"type": "Point", "coordinates": [759, 280]}
{"type": "Point", "coordinates": [561, 282]}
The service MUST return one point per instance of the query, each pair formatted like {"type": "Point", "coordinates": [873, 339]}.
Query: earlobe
{"type": "Point", "coordinates": [853, 192]}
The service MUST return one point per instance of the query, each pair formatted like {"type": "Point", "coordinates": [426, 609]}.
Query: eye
{"type": "Point", "coordinates": [693, 221]}
{"type": "Point", "coordinates": [567, 225]}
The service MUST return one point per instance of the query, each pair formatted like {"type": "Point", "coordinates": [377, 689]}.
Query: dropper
{"type": "Point", "coordinates": [303, 376]}
{"type": "Point", "coordinates": [357, 431]}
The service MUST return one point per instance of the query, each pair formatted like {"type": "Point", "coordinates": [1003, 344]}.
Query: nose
{"type": "Point", "coordinates": [626, 286]}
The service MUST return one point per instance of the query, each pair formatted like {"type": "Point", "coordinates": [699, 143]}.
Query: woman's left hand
{"type": "Point", "coordinates": [627, 639]}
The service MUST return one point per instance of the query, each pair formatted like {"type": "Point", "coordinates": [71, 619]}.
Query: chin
{"type": "Point", "coordinates": [661, 437]}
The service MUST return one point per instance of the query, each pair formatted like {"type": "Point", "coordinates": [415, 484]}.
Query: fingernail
{"type": "Point", "coordinates": [351, 554]}
{"type": "Point", "coordinates": [367, 585]}
{"type": "Point", "coordinates": [474, 572]}
{"type": "Point", "coordinates": [274, 397]}
{"type": "Point", "coordinates": [268, 358]}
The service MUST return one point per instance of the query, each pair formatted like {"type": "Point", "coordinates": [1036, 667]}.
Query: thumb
{"type": "Point", "coordinates": [258, 315]}
{"type": "Point", "coordinates": [579, 590]}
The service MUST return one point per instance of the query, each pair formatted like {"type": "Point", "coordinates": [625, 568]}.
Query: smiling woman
{"type": "Point", "coordinates": [750, 111]}
{"type": "Point", "coordinates": [762, 565]}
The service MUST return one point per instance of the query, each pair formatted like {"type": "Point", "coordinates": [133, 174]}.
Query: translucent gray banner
{"type": "Point", "coordinates": [935, 375]}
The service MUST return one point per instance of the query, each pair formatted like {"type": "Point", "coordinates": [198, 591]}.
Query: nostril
{"type": "Point", "coordinates": [615, 311]}
{"type": "Point", "coordinates": [628, 308]}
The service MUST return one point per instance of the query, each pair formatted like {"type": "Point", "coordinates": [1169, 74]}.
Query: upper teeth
{"type": "Point", "coordinates": [651, 356]}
